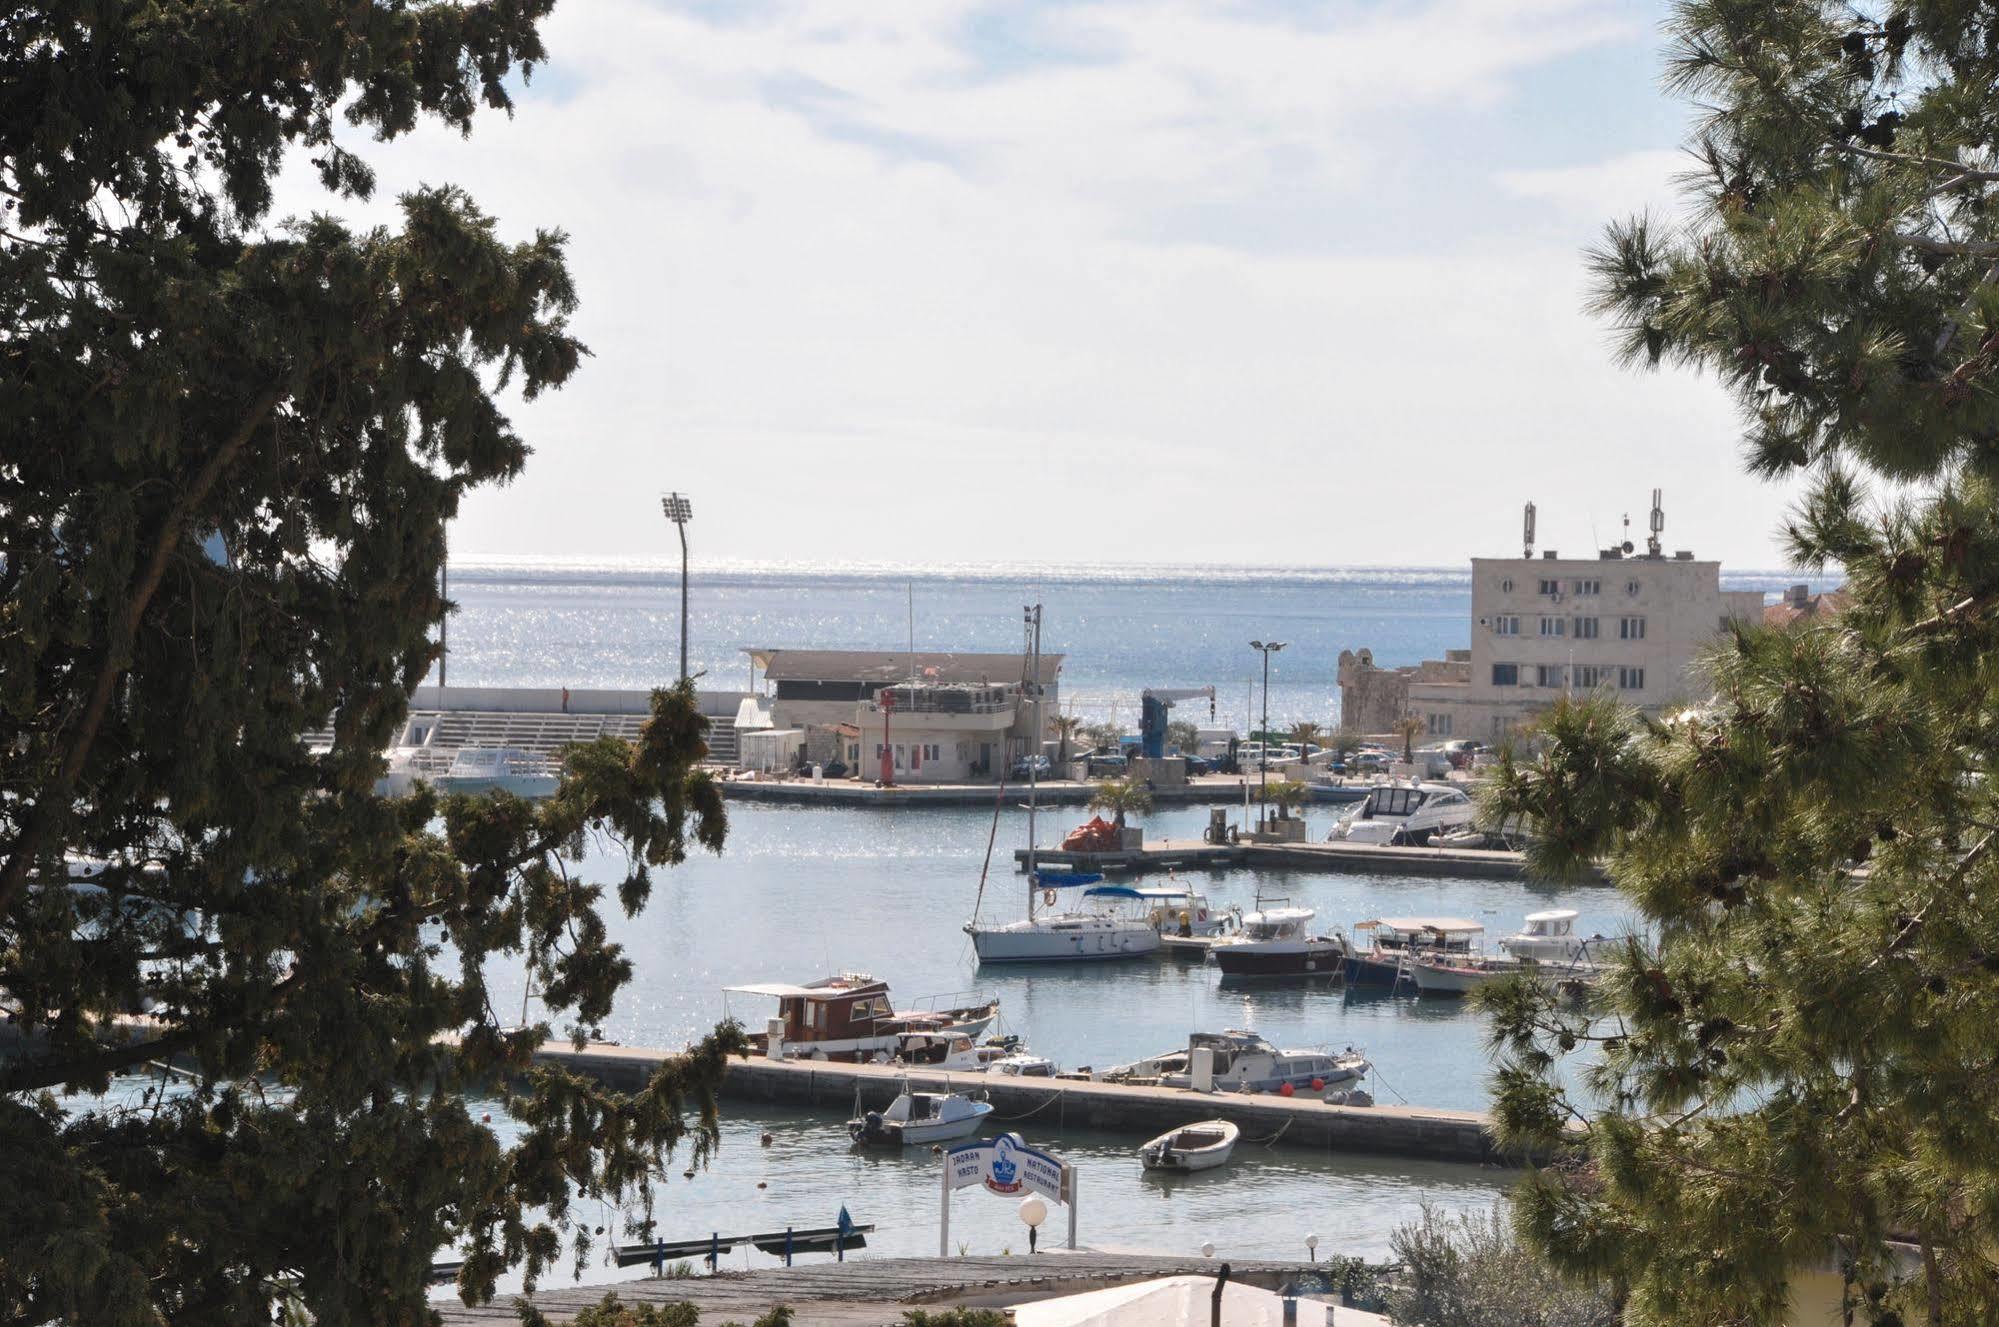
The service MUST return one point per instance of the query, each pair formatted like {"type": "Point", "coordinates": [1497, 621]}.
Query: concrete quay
{"type": "Point", "coordinates": [1205, 789]}
{"type": "Point", "coordinates": [876, 1292]}
{"type": "Point", "coordinates": [1356, 858]}
{"type": "Point", "coordinates": [1047, 1106]}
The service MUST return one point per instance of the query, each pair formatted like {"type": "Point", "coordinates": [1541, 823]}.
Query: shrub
{"type": "Point", "coordinates": [1470, 1271]}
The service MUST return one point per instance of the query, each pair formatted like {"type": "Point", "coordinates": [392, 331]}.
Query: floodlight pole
{"type": "Point", "coordinates": [1266, 649]}
{"type": "Point", "coordinates": [679, 510]}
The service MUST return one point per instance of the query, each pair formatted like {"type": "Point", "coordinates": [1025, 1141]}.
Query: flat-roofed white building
{"type": "Point", "coordinates": [1542, 627]}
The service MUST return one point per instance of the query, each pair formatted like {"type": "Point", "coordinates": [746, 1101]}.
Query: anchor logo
{"type": "Point", "coordinates": [1004, 1176]}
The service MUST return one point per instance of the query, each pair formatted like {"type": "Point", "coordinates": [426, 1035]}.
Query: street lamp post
{"type": "Point", "coordinates": [680, 511]}
{"type": "Point", "coordinates": [1266, 649]}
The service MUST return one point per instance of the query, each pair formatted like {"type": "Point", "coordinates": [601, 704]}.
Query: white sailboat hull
{"type": "Point", "coordinates": [1064, 940]}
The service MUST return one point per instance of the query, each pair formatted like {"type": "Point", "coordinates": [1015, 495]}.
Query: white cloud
{"type": "Point", "coordinates": [869, 289]}
{"type": "Point", "coordinates": [1645, 181]}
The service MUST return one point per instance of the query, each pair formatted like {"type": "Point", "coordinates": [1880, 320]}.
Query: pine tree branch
{"type": "Point", "coordinates": [28, 1075]}
{"type": "Point", "coordinates": [1948, 248]}
{"type": "Point", "coordinates": [118, 649]}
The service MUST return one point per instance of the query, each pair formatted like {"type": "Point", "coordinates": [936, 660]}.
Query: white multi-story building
{"type": "Point", "coordinates": [1545, 626]}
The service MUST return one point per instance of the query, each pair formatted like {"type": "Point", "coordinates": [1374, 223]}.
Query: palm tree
{"type": "Point", "coordinates": [1066, 726]}
{"type": "Point", "coordinates": [1305, 733]}
{"type": "Point", "coordinates": [1344, 742]}
{"type": "Point", "coordinates": [1122, 796]}
{"type": "Point", "coordinates": [1409, 727]}
{"type": "Point", "coordinates": [1287, 795]}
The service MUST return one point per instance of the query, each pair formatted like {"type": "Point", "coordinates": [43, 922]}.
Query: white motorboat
{"type": "Point", "coordinates": [949, 1052]}
{"type": "Point", "coordinates": [1550, 937]}
{"type": "Point", "coordinates": [1244, 1062]}
{"type": "Point", "coordinates": [485, 769]}
{"type": "Point", "coordinates": [1022, 1065]}
{"type": "Point", "coordinates": [918, 1119]}
{"type": "Point", "coordinates": [1175, 910]}
{"type": "Point", "coordinates": [1402, 813]}
{"type": "Point", "coordinates": [1279, 942]}
{"type": "Point", "coordinates": [1190, 1147]}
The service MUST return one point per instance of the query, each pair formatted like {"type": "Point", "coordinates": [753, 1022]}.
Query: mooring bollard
{"type": "Point", "coordinates": [714, 1250]}
{"type": "Point", "coordinates": [787, 1246]}
{"type": "Point", "coordinates": [659, 1257]}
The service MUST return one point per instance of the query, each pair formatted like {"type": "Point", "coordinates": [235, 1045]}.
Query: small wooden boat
{"type": "Point", "coordinates": [1201, 1146]}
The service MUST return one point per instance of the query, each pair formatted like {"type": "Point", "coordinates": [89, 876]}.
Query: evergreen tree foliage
{"type": "Point", "coordinates": [228, 449]}
{"type": "Point", "coordinates": [1797, 1070]}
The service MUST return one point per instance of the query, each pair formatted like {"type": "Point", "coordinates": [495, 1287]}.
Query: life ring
{"type": "Point", "coordinates": [1048, 897]}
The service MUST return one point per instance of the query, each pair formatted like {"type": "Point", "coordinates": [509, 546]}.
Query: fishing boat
{"type": "Point", "coordinates": [848, 1017]}
{"type": "Point", "coordinates": [1201, 1146]}
{"type": "Point", "coordinates": [1243, 1062]}
{"type": "Point", "coordinates": [1393, 941]}
{"type": "Point", "coordinates": [918, 1119]}
{"type": "Point", "coordinates": [1278, 942]}
{"type": "Point", "coordinates": [1090, 930]}
{"type": "Point", "coordinates": [1550, 937]}
{"type": "Point", "coordinates": [1436, 974]}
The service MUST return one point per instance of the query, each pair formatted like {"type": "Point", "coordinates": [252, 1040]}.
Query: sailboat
{"type": "Point", "coordinates": [1060, 931]}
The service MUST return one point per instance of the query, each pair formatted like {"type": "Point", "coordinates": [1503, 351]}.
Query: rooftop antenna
{"type": "Point", "coordinates": [1653, 545]}
{"type": "Point", "coordinates": [1527, 530]}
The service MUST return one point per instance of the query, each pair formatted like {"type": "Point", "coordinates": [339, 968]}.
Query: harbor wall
{"type": "Point", "coordinates": [1045, 1106]}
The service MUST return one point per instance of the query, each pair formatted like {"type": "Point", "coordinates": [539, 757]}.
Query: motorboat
{"type": "Point", "coordinates": [848, 1017]}
{"type": "Point", "coordinates": [1074, 933]}
{"type": "Point", "coordinates": [918, 1119]}
{"type": "Point", "coordinates": [1022, 1065]}
{"type": "Point", "coordinates": [1278, 942]}
{"type": "Point", "coordinates": [1395, 941]}
{"type": "Point", "coordinates": [1243, 1062]}
{"type": "Point", "coordinates": [949, 1052]}
{"type": "Point", "coordinates": [486, 769]}
{"type": "Point", "coordinates": [1550, 937]}
{"type": "Point", "coordinates": [1200, 1146]}
{"type": "Point", "coordinates": [1175, 910]}
{"type": "Point", "coordinates": [1406, 814]}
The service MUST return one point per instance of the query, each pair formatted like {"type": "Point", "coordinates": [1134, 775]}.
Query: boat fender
{"type": "Point", "coordinates": [1048, 897]}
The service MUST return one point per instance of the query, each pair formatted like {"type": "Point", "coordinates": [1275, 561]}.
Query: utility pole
{"type": "Point", "coordinates": [1031, 618]}
{"type": "Point", "coordinates": [1263, 761]}
{"type": "Point", "coordinates": [680, 511]}
{"type": "Point", "coordinates": [444, 615]}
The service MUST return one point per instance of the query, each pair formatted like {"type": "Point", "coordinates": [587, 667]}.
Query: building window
{"type": "Point", "coordinates": [930, 752]}
{"type": "Point", "coordinates": [1440, 725]}
{"type": "Point", "coordinates": [1631, 679]}
{"type": "Point", "coordinates": [1631, 628]}
{"type": "Point", "coordinates": [1506, 675]}
{"type": "Point", "coordinates": [1589, 587]}
{"type": "Point", "coordinates": [1506, 626]}
{"type": "Point", "coordinates": [1553, 626]}
{"type": "Point", "coordinates": [1552, 589]}
{"type": "Point", "coordinates": [1506, 586]}
{"type": "Point", "coordinates": [1548, 675]}
{"type": "Point", "coordinates": [1586, 628]}
{"type": "Point", "coordinates": [1591, 676]}
{"type": "Point", "coordinates": [1631, 588]}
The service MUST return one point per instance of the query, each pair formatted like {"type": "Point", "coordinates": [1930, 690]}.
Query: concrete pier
{"type": "Point", "coordinates": [1355, 858]}
{"type": "Point", "coordinates": [876, 1292]}
{"type": "Point", "coordinates": [1047, 1106]}
{"type": "Point", "coordinates": [1206, 789]}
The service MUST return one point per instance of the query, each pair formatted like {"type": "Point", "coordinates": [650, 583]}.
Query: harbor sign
{"type": "Point", "coordinates": [1006, 1166]}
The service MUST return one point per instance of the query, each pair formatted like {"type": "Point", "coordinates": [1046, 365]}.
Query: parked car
{"type": "Point", "coordinates": [1107, 764]}
{"type": "Point", "coordinates": [1039, 767]}
{"type": "Point", "coordinates": [1368, 762]}
{"type": "Point", "coordinates": [1199, 764]}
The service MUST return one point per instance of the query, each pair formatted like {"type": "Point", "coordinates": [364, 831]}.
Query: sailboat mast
{"type": "Point", "coordinates": [1033, 619]}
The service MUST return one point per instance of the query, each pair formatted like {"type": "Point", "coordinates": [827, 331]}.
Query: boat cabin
{"type": "Point", "coordinates": [1445, 935]}
{"type": "Point", "coordinates": [1393, 801]}
{"type": "Point", "coordinates": [1555, 924]}
{"type": "Point", "coordinates": [839, 1008]}
{"type": "Point", "coordinates": [1277, 924]}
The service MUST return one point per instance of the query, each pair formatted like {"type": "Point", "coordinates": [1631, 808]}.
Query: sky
{"type": "Point", "coordinates": [1244, 281]}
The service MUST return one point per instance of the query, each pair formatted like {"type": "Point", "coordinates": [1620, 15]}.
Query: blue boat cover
{"type": "Point", "coordinates": [1065, 879]}
{"type": "Point", "coordinates": [1113, 891]}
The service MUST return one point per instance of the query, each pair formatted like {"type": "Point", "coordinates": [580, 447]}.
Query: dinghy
{"type": "Point", "coordinates": [1201, 1146]}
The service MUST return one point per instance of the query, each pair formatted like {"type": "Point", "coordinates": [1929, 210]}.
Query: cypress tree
{"type": "Point", "coordinates": [228, 449]}
{"type": "Point", "coordinates": [1797, 1069]}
